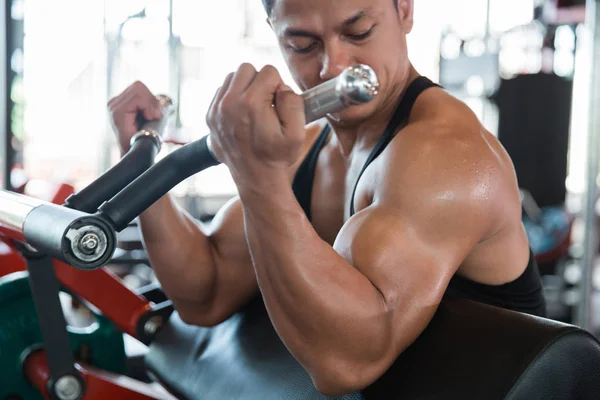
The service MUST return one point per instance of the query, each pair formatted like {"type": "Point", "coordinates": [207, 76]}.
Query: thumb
{"type": "Point", "coordinates": [290, 110]}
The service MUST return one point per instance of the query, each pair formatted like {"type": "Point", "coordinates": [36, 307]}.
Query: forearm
{"type": "Point", "coordinates": [326, 311]}
{"type": "Point", "coordinates": [179, 251]}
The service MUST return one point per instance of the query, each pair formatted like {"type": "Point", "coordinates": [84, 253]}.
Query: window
{"type": "Point", "coordinates": [79, 54]}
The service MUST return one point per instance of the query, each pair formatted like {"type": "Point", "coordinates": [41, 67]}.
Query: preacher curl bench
{"type": "Point", "coordinates": [468, 351]}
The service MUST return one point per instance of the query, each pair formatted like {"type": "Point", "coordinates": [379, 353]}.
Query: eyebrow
{"type": "Point", "coordinates": [303, 33]}
{"type": "Point", "coordinates": [355, 18]}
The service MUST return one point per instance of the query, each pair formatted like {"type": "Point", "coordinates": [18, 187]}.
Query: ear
{"type": "Point", "coordinates": [405, 13]}
{"type": "Point", "coordinates": [269, 23]}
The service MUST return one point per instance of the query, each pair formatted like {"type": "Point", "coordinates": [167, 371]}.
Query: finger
{"type": "Point", "coordinates": [290, 110]}
{"type": "Point", "coordinates": [128, 94]}
{"type": "Point", "coordinates": [135, 109]}
{"type": "Point", "coordinates": [222, 90]}
{"type": "Point", "coordinates": [218, 97]}
{"type": "Point", "coordinates": [117, 101]}
{"type": "Point", "coordinates": [242, 79]}
{"type": "Point", "coordinates": [144, 102]}
{"type": "Point", "coordinates": [138, 98]}
{"type": "Point", "coordinates": [265, 85]}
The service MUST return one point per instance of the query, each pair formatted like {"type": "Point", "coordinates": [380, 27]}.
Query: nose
{"type": "Point", "coordinates": [335, 60]}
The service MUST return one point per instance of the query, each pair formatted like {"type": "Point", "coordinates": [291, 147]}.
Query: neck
{"type": "Point", "coordinates": [365, 134]}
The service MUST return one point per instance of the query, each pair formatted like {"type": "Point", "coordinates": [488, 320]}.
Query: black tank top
{"type": "Point", "coordinates": [523, 294]}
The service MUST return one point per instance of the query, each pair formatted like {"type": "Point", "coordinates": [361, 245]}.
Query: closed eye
{"type": "Point", "coordinates": [361, 36]}
{"type": "Point", "coordinates": [304, 50]}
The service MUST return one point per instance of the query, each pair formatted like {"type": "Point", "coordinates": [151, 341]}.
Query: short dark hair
{"type": "Point", "coordinates": [268, 6]}
{"type": "Point", "coordinates": [270, 3]}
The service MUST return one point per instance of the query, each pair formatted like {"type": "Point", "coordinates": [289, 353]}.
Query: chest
{"type": "Point", "coordinates": [337, 183]}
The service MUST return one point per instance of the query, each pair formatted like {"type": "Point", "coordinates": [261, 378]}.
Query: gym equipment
{"type": "Point", "coordinates": [534, 117]}
{"type": "Point", "coordinates": [548, 229]}
{"type": "Point", "coordinates": [100, 344]}
{"type": "Point", "coordinates": [357, 84]}
{"type": "Point", "coordinates": [61, 362]}
{"type": "Point", "coordinates": [549, 232]}
{"type": "Point", "coordinates": [469, 350]}
{"type": "Point", "coordinates": [82, 234]}
{"type": "Point", "coordinates": [590, 242]}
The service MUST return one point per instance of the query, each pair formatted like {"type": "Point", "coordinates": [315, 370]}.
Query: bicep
{"type": "Point", "coordinates": [409, 260]}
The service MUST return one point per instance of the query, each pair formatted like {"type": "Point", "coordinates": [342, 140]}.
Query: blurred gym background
{"type": "Point", "coordinates": [523, 66]}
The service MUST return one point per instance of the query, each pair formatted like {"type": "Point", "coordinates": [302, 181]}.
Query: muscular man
{"type": "Point", "coordinates": [354, 229]}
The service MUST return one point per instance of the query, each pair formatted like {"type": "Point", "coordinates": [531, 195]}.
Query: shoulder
{"type": "Point", "coordinates": [446, 165]}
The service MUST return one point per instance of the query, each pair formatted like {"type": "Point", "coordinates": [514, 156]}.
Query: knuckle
{"type": "Point", "coordinates": [246, 67]}
{"type": "Point", "coordinates": [248, 100]}
{"type": "Point", "coordinates": [142, 90]}
{"type": "Point", "coordinates": [270, 70]}
{"type": "Point", "coordinates": [291, 99]}
{"type": "Point", "coordinates": [138, 85]}
{"type": "Point", "coordinates": [139, 98]}
{"type": "Point", "coordinates": [270, 74]}
{"type": "Point", "coordinates": [226, 105]}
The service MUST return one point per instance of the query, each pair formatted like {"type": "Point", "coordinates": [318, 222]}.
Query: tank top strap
{"type": "Point", "coordinates": [303, 181]}
{"type": "Point", "coordinates": [399, 118]}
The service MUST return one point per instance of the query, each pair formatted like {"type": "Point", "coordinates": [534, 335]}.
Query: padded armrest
{"type": "Point", "coordinates": [242, 358]}
{"type": "Point", "coordinates": [476, 351]}
{"type": "Point", "coordinates": [468, 351]}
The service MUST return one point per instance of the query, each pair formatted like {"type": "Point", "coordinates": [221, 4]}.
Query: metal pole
{"type": "Point", "coordinates": [4, 67]}
{"type": "Point", "coordinates": [113, 52]}
{"type": "Point", "coordinates": [487, 32]}
{"type": "Point", "coordinates": [110, 56]}
{"type": "Point", "coordinates": [8, 153]}
{"type": "Point", "coordinates": [174, 70]}
{"type": "Point", "coordinates": [593, 167]}
{"type": "Point", "coordinates": [13, 42]}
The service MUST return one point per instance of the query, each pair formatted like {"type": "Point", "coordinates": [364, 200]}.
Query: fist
{"type": "Point", "coordinates": [256, 120]}
{"type": "Point", "coordinates": [125, 111]}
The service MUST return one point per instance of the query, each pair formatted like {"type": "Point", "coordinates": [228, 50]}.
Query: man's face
{"type": "Point", "coordinates": [321, 38]}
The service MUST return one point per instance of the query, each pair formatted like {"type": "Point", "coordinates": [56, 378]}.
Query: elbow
{"type": "Point", "coordinates": [196, 319]}
{"type": "Point", "coordinates": [346, 378]}
{"type": "Point", "coordinates": [348, 371]}
{"type": "Point", "coordinates": [334, 388]}
{"type": "Point", "coordinates": [200, 314]}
